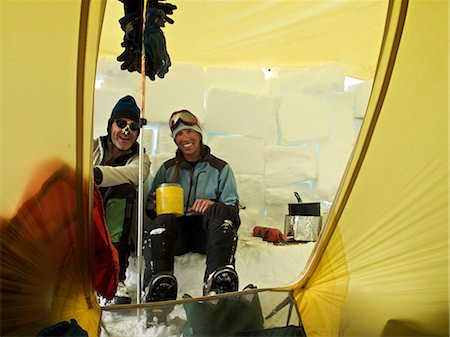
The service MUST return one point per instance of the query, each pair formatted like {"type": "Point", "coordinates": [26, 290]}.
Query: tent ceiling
{"type": "Point", "coordinates": [267, 33]}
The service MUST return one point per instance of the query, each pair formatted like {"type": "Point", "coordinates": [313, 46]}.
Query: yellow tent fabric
{"type": "Point", "coordinates": [267, 33]}
{"type": "Point", "coordinates": [382, 262]}
{"type": "Point", "coordinates": [48, 59]}
{"type": "Point", "coordinates": [384, 269]}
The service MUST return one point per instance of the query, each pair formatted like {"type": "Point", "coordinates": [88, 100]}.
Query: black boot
{"type": "Point", "coordinates": [163, 287]}
{"type": "Point", "coordinates": [223, 280]}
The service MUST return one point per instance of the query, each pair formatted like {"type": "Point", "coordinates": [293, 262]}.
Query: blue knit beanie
{"type": "Point", "coordinates": [126, 107]}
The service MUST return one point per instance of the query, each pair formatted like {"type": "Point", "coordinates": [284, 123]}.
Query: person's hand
{"type": "Point", "coordinates": [200, 206]}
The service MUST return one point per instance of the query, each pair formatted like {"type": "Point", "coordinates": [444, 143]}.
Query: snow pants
{"type": "Point", "coordinates": [119, 204]}
{"type": "Point", "coordinates": [213, 234]}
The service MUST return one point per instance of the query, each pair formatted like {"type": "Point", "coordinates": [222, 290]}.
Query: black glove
{"type": "Point", "coordinates": [98, 176]}
{"type": "Point", "coordinates": [131, 25]}
{"type": "Point", "coordinates": [155, 42]}
{"type": "Point", "coordinates": [157, 58]}
{"type": "Point", "coordinates": [166, 7]}
{"type": "Point", "coordinates": [132, 6]}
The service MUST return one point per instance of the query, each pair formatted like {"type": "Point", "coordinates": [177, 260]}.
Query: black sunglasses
{"type": "Point", "coordinates": [122, 123]}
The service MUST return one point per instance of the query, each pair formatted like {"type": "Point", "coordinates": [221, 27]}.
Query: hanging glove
{"type": "Point", "coordinates": [131, 25]}
{"type": "Point", "coordinates": [156, 55]}
{"type": "Point", "coordinates": [166, 7]}
{"type": "Point", "coordinates": [155, 42]}
{"type": "Point", "coordinates": [132, 6]}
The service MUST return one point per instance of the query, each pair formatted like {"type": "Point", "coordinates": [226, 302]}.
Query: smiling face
{"type": "Point", "coordinates": [122, 140]}
{"type": "Point", "coordinates": [189, 141]}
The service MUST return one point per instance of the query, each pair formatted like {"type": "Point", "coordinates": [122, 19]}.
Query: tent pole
{"type": "Point", "coordinates": [140, 203]}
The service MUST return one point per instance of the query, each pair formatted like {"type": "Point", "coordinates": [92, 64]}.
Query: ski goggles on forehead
{"type": "Point", "coordinates": [184, 117]}
{"type": "Point", "coordinates": [122, 123]}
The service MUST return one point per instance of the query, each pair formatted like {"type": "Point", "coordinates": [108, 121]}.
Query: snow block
{"type": "Point", "coordinates": [334, 157]}
{"type": "Point", "coordinates": [275, 215]}
{"type": "Point", "coordinates": [158, 160]}
{"type": "Point", "coordinates": [165, 141]}
{"type": "Point", "coordinates": [361, 94]}
{"type": "Point", "coordinates": [284, 195]}
{"type": "Point", "coordinates": [149, 140]}
{"type": "Point", "coordinates": [183, 87]}
{"type": "Point", "coordinates": [110, 76]}
{"type": "Point", "coordinates": [236, 79]}
{"type": "Point", "coordinates": [325, 78]}
{"type": "Point", "coordinates": [245, 155]}
{"type": "Point", "coordinates": [249, 189]}
{"type": "Point", "coordinates": [238, 113]}
{"type": "Point", "coordinates": [340, 107]}
{"type": "Point", "coordinates": [285, 165]}
{"type": "Point", "coordinates": [303, 118]}
{"type": "Point", "coordinates": [250, 218]}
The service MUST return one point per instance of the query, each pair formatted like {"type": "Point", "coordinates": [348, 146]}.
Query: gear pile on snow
{"type": "Point", "coordinates": [157, 60]}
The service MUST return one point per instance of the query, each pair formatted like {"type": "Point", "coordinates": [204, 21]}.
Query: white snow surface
{"type": "Point", "coordinates": [258, 262]}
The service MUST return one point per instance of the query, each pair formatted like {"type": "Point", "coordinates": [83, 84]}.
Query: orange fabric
{"type": "Point", "coordinates": [42, 259]}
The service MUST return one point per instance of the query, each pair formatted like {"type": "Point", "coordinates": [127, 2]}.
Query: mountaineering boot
{"type": "Point", "coordinates": [223, 280]}
{"type": "Point", "coordinates": [163, 287]}
{"type": "Point", "coordinates": [122, 296]}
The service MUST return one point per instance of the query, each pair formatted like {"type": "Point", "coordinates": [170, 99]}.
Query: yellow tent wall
{"type": "Point", "coordinates": [48, 59]}
{"type": "Point", "coordinates": [267, 33]}
{"type": "Point", "coordinates": [382, 267]}
{"type": "Point", "coordinates": [384, 255]}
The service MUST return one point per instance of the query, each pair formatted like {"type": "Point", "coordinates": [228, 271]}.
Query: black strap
{"type": "Point", "coordinates": [129, 206]}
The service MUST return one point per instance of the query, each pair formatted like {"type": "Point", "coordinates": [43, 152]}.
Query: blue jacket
{"type": "Point", "coordinates": [211, 178]}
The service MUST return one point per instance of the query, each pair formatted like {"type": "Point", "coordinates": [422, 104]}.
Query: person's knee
{"type": "Point", "coordinates": [224, 214]}
{"type": "Point", "coordinates": [163, 224]}
{"type": "Point", "coordinates": [217, 210]}
{"type": "Point", "coordinates": [164, 220]}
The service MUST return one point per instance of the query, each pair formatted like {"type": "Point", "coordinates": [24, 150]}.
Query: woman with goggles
{"type": "Point", "coordinates": [116, 173]}
{"type": "Point", "coordinates": [210, 221]}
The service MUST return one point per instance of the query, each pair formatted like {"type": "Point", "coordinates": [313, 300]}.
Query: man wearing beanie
{"type": "Point", "coordinates": [116, 172]}
{"type": "Point", "coordinates": [210, 221]}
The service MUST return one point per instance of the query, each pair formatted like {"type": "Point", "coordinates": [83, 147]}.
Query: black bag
{"type": "Point", "coordinates": [223, 317]}
{"type": "Point", "coordinates": [238, 316]}
{"type": "Point", "coordinates": [287, 331]}
{"type": "Point", "coordinates": [63, 329]}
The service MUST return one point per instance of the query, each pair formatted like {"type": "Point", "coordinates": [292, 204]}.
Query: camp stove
{"type": "Point", "coordinates": [304, 222]}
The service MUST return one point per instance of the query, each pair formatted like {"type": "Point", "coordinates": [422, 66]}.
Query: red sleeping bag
{"type": "Point", "coordinates": [106, 255]}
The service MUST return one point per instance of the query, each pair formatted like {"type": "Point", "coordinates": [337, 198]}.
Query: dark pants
{"type": "Point", "coordinates": [123, 221]}
{"type": "Point", "coordinates": [213, 234]}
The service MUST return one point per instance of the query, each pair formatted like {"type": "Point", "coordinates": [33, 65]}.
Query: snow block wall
{"type": "Point", "coordinates": [281, 130]}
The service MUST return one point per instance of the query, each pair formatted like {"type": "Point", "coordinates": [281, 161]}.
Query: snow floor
{"type": "Point", "coordinates": [261, 263]}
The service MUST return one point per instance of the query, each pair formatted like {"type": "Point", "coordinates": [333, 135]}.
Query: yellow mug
{"type": "Point", "coordinates": [169, 199]}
